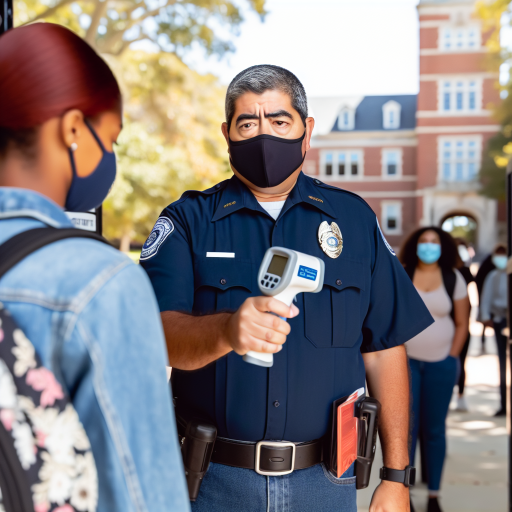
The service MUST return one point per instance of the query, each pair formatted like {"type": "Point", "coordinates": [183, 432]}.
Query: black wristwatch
{"type": "Point", "coordinates": [405, 476]}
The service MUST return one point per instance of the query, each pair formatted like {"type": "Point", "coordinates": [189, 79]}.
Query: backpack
{"type": "Point", "coordinates": [449, 280]}
{"type": "Point", "coordinates": [46, 462]}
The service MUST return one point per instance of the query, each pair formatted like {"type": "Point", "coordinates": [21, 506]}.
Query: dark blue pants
{"type": "Point", "coordinates": [432, 388]}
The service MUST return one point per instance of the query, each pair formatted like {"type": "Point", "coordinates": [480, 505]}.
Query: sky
{"type": "Point", "coordinates": [335, 47]}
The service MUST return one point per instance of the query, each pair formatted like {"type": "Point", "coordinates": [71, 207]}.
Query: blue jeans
{"type": "Point", "coordinates": [228, 489]}
{"type": "Point", "coordinates": [432, 388]}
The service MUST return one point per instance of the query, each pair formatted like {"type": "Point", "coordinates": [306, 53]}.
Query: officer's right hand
{"type": "Point", "coordinates": [253, 328]}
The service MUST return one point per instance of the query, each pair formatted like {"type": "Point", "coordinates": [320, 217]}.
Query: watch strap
{"type": "Point", "coordinates": [405, 476]}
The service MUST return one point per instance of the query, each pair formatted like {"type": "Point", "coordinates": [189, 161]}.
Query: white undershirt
{"type": "Point", "coordinates": [273, 208]}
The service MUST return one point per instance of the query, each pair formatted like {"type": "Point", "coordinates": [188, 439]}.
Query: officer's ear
{"type": "Point", "coordinates": [306, 143]}
{"type": "Point", "coordinates": [225, 131]}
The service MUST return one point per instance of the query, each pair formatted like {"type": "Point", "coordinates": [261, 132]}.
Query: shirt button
{"type": "Point", "coordinates": [276, 404]}
{"type": "Point", "coordinates": [223, 281]}
{"type": "Point", "coordinates": [318, 182]}
{"type": "Point", "coordinates": [338, 282]}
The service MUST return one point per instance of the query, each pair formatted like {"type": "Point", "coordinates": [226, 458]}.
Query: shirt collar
{"type": "Point", "coordinates": [237, 196]}
{"type": "Point", "coordinates": [19, 202]}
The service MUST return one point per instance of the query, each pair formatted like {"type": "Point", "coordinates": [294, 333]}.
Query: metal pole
{"type": "Point", "coordinates": [509, 351]}
{"type": "Point", "coordinates": [5, 16]}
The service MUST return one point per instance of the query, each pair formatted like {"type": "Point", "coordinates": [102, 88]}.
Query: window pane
{"type": "Point", "coordinates": [460, 98]}
{"type": "Point", "coordinates": [472, 100]}
{"type": "Point", "coordinates": [341, 168]}
{"type": "Point", "coordinates": [392, 169]}
{"type": "Point", "coordinates": [471, 170]}
{"type": "Point", "coordinates": [391, 223]}
{"type": "Point", "coordinates": [459, 171]}
{"type": "Point", "coordinates": [345, 118]}
{"type": "Point", "coordinates": [446, 171]}
{"type": "Point", "coordinates": [355, 170]}
{"type": "Point", "coordinates": [328, 164]}
{"type": "Point", "coordinates": [446, 102]}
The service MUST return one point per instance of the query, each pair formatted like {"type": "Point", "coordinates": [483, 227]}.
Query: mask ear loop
{"type": "Point", "coordinates": [71, 150]}
{"type": "Point", "coordinates": [95, 135]}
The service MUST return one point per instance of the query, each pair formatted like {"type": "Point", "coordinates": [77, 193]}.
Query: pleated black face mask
{"type": "Point", "coordinates": [265, 160]}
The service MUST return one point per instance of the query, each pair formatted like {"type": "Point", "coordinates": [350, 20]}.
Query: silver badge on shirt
{"type": "Point", "coordinates": [330, 239]}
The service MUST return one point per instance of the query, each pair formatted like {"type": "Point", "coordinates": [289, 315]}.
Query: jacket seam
{"type": "Point", "coordinates": [113, 422]}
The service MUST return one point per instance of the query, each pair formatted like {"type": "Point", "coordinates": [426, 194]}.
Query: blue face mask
{"type": "Point", "coordinates": [500, 261]}
{"type": "Point", "coordinates": [429, 253]}
{"type": "Point", "coordinates": [89, 192]}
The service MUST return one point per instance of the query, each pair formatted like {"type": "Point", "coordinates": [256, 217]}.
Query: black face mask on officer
{"type": "Point", "coordinates": [266, 160]}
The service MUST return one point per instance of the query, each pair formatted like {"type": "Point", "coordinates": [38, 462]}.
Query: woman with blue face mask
{"type": "Point", "coordinates": [493, 313]}
{"type": "Point", "coordinates": [430, 257]}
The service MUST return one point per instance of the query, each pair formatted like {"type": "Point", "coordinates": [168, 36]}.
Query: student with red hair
{"type": "Point", "coordinates": [87, 309]}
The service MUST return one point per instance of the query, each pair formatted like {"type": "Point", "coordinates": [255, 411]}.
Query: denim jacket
{"type": "Point", "coordinates": [93, 319]}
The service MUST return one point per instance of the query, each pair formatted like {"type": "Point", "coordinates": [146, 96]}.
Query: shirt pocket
{"type": "Point", "coordinates": [333, 317]}
{"type": "Point", "coordinates": [231, 280]}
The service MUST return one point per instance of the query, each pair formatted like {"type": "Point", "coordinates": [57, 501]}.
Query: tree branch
{"type": "Point", "coordinates": [49, 12]}
{"type": "Point", "coordinates": [99, 12]}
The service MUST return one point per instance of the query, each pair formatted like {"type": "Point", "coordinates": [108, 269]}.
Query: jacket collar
{"type": "Point", "coordinates": [19, 202]}
{"type": "Point", "coordinates": [237, 196]}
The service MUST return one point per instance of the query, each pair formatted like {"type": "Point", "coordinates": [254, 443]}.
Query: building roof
{"type": "Point", "coordinates": [422, 2]}
{"type": "Point", "coordinates": [369, 117]}
{"type": "Point", "coordinates": [326, 110]}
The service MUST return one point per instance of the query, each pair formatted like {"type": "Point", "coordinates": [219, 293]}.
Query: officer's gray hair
{"type": "Point", "coordinates": [264, 77]}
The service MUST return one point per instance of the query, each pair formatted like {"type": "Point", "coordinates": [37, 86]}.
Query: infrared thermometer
{"type": "Point", "coordinates": [283, 274]}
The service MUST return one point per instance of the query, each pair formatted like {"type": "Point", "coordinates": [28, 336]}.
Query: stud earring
{"type": "Point", "coordinates": [74, 146]}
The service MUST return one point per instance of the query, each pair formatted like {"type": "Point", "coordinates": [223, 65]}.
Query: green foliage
{"type": "Point", "coordinates": [171, 141]}
{"type": "Point", "coordinates": [171, 25]}
{"type": "Point", "coordinates": [499, 149]}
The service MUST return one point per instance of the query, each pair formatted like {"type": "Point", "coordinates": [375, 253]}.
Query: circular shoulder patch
{"type": "Point", "coordinates": [390, 249]}
{"type": "Point", "coordinates": [162, 229]}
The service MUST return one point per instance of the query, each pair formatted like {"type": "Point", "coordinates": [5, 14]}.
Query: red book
{"type": "Point", "coordinates": [347, 434]}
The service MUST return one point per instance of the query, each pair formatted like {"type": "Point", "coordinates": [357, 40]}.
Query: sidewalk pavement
{"type": "Point", "coordinates": [475, 473]}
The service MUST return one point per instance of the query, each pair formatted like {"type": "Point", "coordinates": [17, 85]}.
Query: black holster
{"type": "Point", "coordinates": [367, 411]}
{"type": "Point", "coordinates": [197, 438]}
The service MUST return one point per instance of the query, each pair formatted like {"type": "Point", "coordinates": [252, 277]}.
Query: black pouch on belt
{"type": "Point", "coordinates": [367, 411]}
{"type": "Point", "coordinates": [197, 439]}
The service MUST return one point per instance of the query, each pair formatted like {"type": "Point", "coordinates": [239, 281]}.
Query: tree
{"type": "Point", "coordinates": [172, 141]}
{"type": "Point", "coordinates": [499, 149]}
{"type": "Point", "coordinates": [111, 26]}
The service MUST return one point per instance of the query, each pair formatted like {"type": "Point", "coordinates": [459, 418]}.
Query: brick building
{"type": "Point", "coordinates": [415, 158]}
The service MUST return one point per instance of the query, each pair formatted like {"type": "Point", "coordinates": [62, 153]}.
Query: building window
{"type": "Point", "coordinates": [346, 119]}
{"type": "Point", "coordinates": [391, 115]}
{"type": "Point", "coordinates": [392, 217]}
{"type": "Point", "coordinates": [343, 164]}
{"type": "Point", "coordinates": [459, 158]}
{"type": "Point", "coordinates": [460, 39]}
{"type": "Point", "coordinates": [391, 163]}
{"type": "Point", "coordinates": [460, 96]}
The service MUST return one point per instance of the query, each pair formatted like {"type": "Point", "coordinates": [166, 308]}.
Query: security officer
{"type": "Point", "coordinates": [203, 256]}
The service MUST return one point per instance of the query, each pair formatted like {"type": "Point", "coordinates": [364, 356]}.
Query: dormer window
{"type": "Point", "coordinates": [346, 119]}
{"type": "Point", "coordinates": [391, 115]}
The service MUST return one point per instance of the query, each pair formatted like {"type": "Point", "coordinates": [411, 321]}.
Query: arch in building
{"type": "Point", "coordinates": [464, 224]}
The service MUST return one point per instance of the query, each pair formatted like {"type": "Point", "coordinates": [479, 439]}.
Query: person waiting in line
{"type": "Point", "coordinates": [493, 313]}
{"type": "Point", "coordinates": [87, 309]}
{"type": "Point", "coordinates": [485, 268]}
{"type": "Point", "coordinates": [464, 269]}
{"type": "Point", "coordinates": [430, 257]}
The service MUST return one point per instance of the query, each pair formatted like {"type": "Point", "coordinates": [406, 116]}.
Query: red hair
{"type": "Point", "coordinates": [47, 70]}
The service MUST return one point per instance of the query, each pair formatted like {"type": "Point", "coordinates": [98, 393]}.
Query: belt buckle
{"type": "Point", "coordinates": [277, 444]}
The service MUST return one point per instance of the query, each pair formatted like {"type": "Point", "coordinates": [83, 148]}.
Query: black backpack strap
{"type": "Point", "coordinates": [21, 245]}
{"type": "Point", "coordinates": [449, 280]}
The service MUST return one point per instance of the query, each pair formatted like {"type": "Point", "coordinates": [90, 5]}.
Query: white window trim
{"type": "Point", "coordinates": [453, 29]}
{"type": "Point", "coordinates": [351, 119]}
{"type": "Point", "coordinates": [384, 225]}
{"type": "Point", "coordinates": [399, 166]}
{"type": "Point", "coordinates": [335, 176]}
{"type": "Point", "coordinates": [440, 149]}
{"type": "Point", "coordinates": [386, 109]}
{"type": "Point", "coordinates": [453, 90]}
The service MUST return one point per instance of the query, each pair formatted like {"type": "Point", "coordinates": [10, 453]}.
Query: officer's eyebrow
{"type": "Point", "coordinates": [277, 113]}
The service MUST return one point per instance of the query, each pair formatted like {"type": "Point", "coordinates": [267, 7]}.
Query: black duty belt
{"type": "Point", "coordinates": [273, 458]}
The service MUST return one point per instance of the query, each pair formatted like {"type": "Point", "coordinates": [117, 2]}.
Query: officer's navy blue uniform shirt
{"type": "Point", "coordinates": [368, 303]}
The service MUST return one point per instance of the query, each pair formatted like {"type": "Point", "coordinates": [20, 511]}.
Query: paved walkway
{"type": "Point", "coordinates": [475, 474]}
